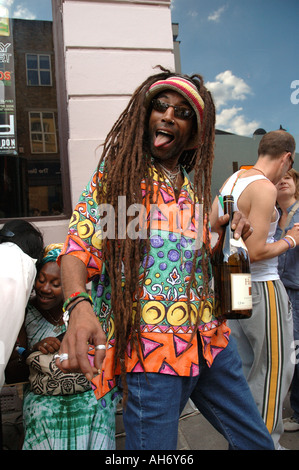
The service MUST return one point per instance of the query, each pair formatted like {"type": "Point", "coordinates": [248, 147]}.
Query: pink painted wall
{"type": "Point", "coordinates": [110, 48]}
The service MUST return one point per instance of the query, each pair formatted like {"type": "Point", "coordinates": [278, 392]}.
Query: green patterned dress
{"type": "Point", "coordinates": [69, 422]}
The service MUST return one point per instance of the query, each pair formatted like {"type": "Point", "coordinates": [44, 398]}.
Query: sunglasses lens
{"type": "Point", "coordinates": [179, 111]}
{"type": "Point", "coordinates": [183, 113]}
{"type": "Point", "coordinates": [160, 106]}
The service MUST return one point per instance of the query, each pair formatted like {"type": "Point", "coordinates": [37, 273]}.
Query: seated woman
{"type": "Point", "coordinates": [60, 422]}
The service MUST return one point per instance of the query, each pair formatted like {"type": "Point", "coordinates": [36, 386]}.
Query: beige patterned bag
{"type": "Point", "coordinates": [47, 379]}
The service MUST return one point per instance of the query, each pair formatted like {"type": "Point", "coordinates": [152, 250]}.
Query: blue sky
{"type": "Point", "coordinates": [248, 54]}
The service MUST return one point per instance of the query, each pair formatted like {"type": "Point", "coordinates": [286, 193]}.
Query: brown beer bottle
{"type": "Point", "coordinates": [231, 271]}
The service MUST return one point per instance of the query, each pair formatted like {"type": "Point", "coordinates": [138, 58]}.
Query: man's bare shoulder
{"type": "Point", "coordinates": [257, 193]}
{"type": "Point", "coordinates": [260, 186]}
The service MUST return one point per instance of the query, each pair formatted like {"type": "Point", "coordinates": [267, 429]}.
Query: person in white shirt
{"type": "Point", "coordinates": [21, 247]}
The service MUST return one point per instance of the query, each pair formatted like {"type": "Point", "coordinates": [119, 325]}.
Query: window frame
{"type": "Point", "coordinates": [38, 69]}
{"type": "Point", "coordinates": [42, 132]}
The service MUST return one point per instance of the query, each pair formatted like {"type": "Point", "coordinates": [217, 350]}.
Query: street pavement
{"type": "Point", "coordinates": [196, 433]}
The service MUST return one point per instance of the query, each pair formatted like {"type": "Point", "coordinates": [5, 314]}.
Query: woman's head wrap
{"type": "Point", "coordinates": [188, 90]}
{"type": "Point", "coordinates": [51, 252]}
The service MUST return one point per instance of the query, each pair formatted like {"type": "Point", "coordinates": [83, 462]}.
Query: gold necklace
{"type": "Point", "coordinates": [55, 322]}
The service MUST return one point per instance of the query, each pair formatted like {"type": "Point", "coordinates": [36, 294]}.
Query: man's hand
{"type": "Point", "coordinates": [240, 225]}
{"type": "Point", "coordinates": [84, 330]}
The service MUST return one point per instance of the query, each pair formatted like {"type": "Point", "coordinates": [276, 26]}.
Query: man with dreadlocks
{"type": "Point", "coordinates": [151, 287]}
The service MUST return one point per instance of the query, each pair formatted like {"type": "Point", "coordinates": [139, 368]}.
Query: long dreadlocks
{"type": "Point", "coordinates": [125, 162]}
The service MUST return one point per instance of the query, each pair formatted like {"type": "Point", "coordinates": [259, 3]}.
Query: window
{"type": "Point", "coordinates": [42, 132]}
{"type": "Point", "coordinates": [33, 116]}
{"type": "Point", "coordinates": [38, 70]}
{"type": "Point", "coordinates": [31, 147]}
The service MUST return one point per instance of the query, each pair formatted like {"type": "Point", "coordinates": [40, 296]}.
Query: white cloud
{"type": "Point", "coordinates": [23, 12]}
{"type": "Point", "coordinates": [7, 3]}
{"type": "Point", "coordinates": [225, 89]}
{"type": "Point", "coordinates": [217, 14]}
{"type": "Point", "coordinates": [228, 87]}
{"type": "Point", "coordinates": [231, 120]}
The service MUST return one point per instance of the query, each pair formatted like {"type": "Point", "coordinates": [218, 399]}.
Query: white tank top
{"type": "Point", "coordinates": [265, 270]}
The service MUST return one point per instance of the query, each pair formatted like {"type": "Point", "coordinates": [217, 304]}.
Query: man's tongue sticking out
{"type": "Point", "coordinates": [162, 138]}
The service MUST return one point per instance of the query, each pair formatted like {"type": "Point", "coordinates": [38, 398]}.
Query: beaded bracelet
{"type": "Point", "coordinates": [75, 296]}
{"type": "Point", "coordinates": [293, 240]}
{"type": "Point", "coordinates": [287, 241]}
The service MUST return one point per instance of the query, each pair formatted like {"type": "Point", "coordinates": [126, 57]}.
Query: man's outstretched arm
{"type": "Point", "coordinates": [84, 327]}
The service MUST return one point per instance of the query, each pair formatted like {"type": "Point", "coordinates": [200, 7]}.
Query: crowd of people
{"type": "Point", "coordinates": [146, 330]}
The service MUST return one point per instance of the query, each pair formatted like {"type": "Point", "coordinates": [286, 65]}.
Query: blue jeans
{"type": "Point", "coordinates": [221, 393]}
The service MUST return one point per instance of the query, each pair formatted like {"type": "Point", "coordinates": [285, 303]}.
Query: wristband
{"type": "Point", "coordinates": [67, 313]}
{"type": "Point", "coordinates": [75, 296]}
{"type": "Point", "coordinates": [287, 241]}
{"type": "Point", "coordinates": [293, 240]}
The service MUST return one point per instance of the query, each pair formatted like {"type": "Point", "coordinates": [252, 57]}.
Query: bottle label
{"type": "Point", "coordinates": [241, 291]}
{"type": "Point", "coordinates": [238, 243]}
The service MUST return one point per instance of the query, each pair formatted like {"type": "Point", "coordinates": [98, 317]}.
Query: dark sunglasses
{"type": "Point", "coordinates": [180, 112]}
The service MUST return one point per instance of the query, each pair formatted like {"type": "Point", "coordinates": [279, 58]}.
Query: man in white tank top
{"type": "Point", "coordinates": [264, 340]}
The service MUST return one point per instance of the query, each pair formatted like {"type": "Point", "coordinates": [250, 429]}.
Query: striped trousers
{"type": "Point", "coordinates": [265, 345]}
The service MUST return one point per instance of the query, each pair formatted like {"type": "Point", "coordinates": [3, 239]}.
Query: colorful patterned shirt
{"type": "Point", "coordinates": [165, 326]}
